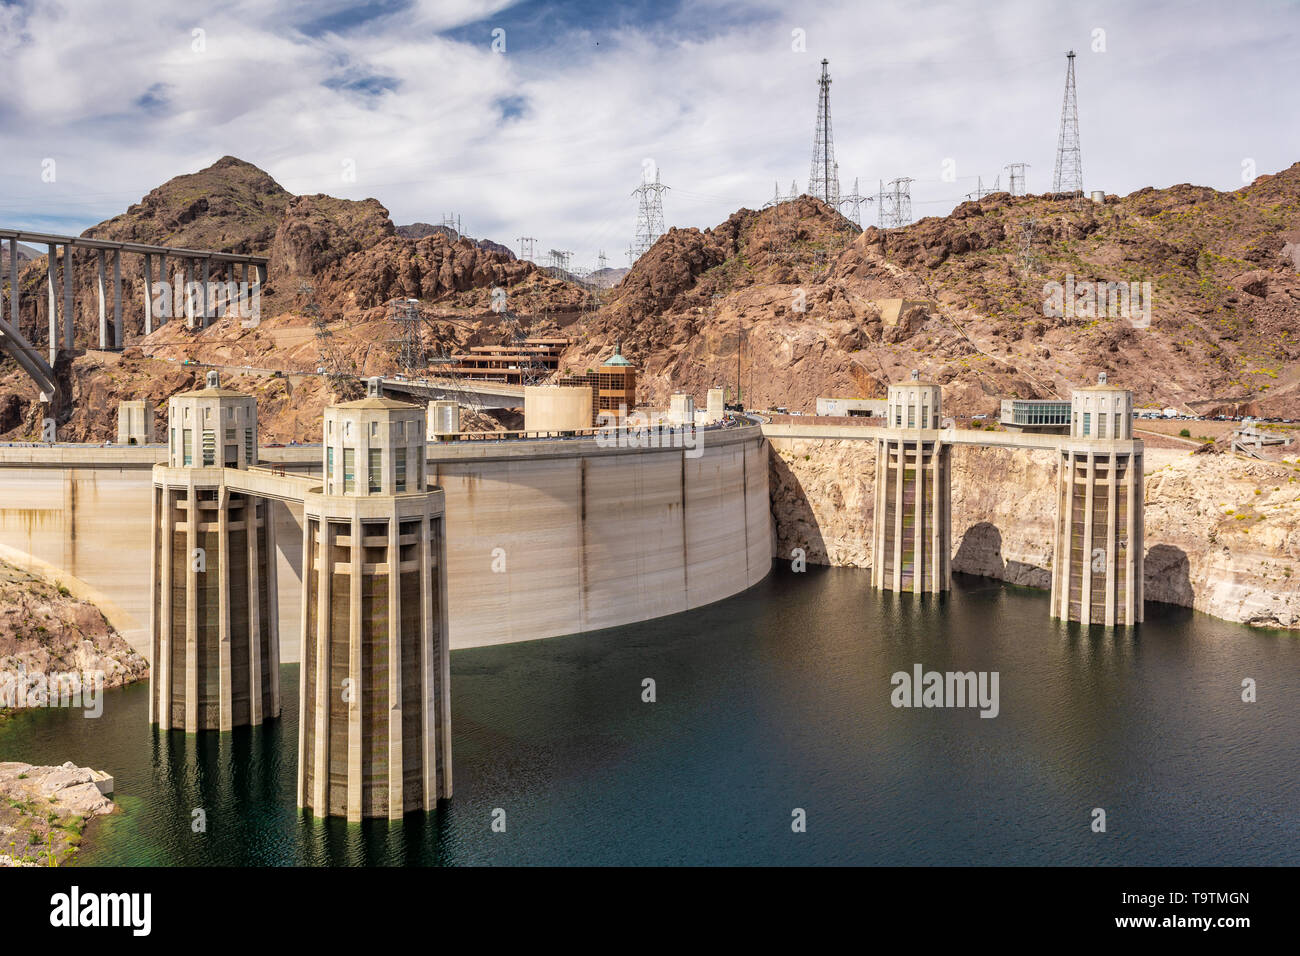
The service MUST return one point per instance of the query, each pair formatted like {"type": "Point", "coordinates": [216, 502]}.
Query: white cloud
{"type": "Point", "coordinates": [548, 139]}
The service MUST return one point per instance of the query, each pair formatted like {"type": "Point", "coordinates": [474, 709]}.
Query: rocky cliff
{"type": "Point", "coordinates": [1222, 533]}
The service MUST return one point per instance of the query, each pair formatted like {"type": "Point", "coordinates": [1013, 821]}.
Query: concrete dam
{"type": "Point", "coordinates": [544, 537]}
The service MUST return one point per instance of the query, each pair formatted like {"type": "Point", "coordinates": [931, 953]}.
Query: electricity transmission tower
{"type": "Point", "coordinates": [405, 313]}
{"type": "Point", "coordinates": [341, 380]}
{"type": "Point", "coordinates": [1069, 169]}
{"type": "Point", "coordinates": [980, 191]}
{"type": "Point", "coordinates": [854, 201]}
{"type": "Point", "coordinates": [528, 248]}
{"type": "Point", "coordinates": [1016, 178]}
{"type": "Point", "coordinates": [559, 262]}
{"type": "Point", "coordinates": [602, 262]}
{"type": "Point", "coordinates": [777, 198]}
{"type": "Point", "coordinates": [451, 221]}
{"type": "Point", "coordinates": [1027, 263]}
{"type": "Point", "coordinates": [650, 216]}
{"type": "Point", "coordinates": [895, 205]}
{"type": "Point", "coordinates": [824, 180]}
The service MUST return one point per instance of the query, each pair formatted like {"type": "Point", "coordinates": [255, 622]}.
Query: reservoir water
{"type": "Point", "coordinates": [775, 700]}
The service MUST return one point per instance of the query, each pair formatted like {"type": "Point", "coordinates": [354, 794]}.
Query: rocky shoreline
{"type": "Point", "coordinates": [44, 811]}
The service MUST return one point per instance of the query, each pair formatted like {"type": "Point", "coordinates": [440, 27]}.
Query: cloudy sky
{"type": "Point", "coordinates": [538, 119]}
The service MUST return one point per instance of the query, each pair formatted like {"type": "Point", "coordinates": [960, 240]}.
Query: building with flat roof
{"type": "Point", "coordinates": [1050, 416]}
{"type": "Point", "coordinates": [852, 407]}
{"type": "Point", "coordinates": [535, 357]}
{"type": "Point", "coordinates": [613, 386]}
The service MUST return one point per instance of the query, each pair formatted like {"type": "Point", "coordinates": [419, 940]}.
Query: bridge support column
{"type": "Point", "coordinates": [52, 280]}
{"type": "Point", "coordinates": [13, 285]}
{"type": "Point", "coordinates": [148, 292]}
{"type": "Point", "coordinates": [118, 339]}
{"type": "Point", "coordinates": [186, 293]}
{"type": "Point", "coordinates": [205, 292]}
{"type": "Point", "coordinates": [67, 299]}
{"type": "Point", "coordinates": [103, 311]}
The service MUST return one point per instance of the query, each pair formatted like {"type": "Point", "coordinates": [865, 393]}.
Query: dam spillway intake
{"type": "Point", "coordinates": [375, 734]}
{"type": "Point", "coordinates": [913, 523]}
{"type": "Point", "coordinates": [214, 634]}
{"type": "Point", "coordinates": [1097, 564]}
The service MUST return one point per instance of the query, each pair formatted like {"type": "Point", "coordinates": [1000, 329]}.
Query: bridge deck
{"type": "Point", "coordinates": [143, 248]}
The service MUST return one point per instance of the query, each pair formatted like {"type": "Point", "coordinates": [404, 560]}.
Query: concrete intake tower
{"type": "Point", "coordinates": [375, 734]}
{"type": "Point", "coordinates": [913, 523]}
{"type": "Point", "coordinates": [214, 634]}
{"type": "Point", "coordinates": [1097, 559]}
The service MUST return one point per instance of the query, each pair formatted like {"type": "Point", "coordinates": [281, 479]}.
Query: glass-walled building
{"type": "Point", "coordinates": [1050, 416]}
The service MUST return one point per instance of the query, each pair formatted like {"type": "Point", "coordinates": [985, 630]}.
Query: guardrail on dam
{"type": "Point", "coordinates": [543, 537]}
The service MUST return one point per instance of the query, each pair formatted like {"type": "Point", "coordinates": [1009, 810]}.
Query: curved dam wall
{"type": "Point", "coordinates": [547, 538]}
{"type": "Point", "coordinates": [588, 537]}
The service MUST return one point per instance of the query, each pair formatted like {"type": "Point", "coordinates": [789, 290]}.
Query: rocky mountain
{"type": "Point", "coordinates": [419, 230]}
{"type": "Point", "coordinates": [821, 309]}
{"type": "Point", "coordinates": [45, 629]}
{"type": "Point", "coordinates": [794, 299]}
{"type": "Point", "coordinates": [346, 257]}
{"type": "Point", "coordinates": [607, 278]}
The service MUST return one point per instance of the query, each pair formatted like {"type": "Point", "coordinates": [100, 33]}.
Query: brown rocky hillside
{"type": "Point", "coordinates": [1222, 268]}
{"type": "Point", "coordinates": [349, 252]}
{"type": "Point", "coordinates": [813, 305]}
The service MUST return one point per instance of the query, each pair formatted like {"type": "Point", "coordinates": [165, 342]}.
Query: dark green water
{"type": "Point", "coordinates": [776, 699]}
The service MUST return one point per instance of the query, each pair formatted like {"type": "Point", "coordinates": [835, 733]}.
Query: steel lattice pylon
{"type": "Point", "coordinates": [895, 206]}
{"type": "Point", "coordinates": [1016, 173]}
{"type": "Point", "coordinates": [650, 216]}
{"type": "Point", "coordinates": [824, 180]}
{"type": "Point", "coordinates": [1069, 167]}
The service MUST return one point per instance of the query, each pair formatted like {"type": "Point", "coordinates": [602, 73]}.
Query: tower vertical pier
{"type": "Point", "coordinates": [375, 728]}
{"type": "Point", "coordinates": [913, 524]}
{"type": "Point", "coordinates": [1098, 555]}
{"type": "Point", "coordinates": [213, 628]}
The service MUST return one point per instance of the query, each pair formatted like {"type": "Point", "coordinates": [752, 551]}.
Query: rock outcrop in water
{"type": "Point", "coordinates": [44, 810]}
